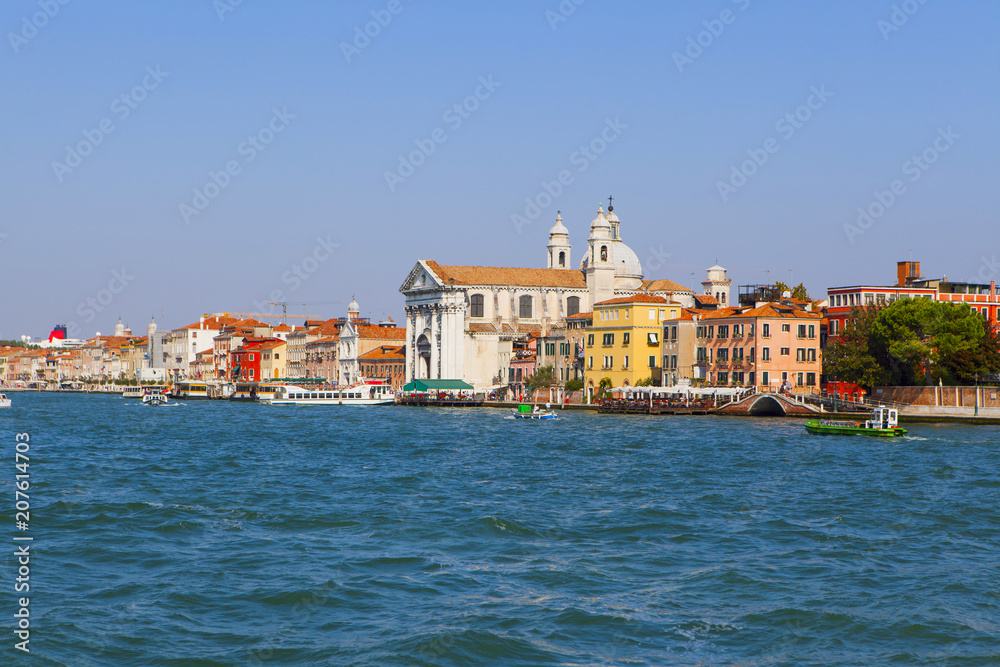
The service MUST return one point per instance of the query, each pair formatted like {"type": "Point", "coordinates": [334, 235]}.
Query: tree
{"type": "Point", "coordinates": [573, 386]}
{"type": "Point", "coordinates": [913, 342]}
{"type": "Point", "coordinates": [603, 387]}
{"type": "Point", "coordinates": [645, 382]}
{"type": "Point", "coordinates": [543, 377]}
{"type": "Point", "coordinates": [799, 293]}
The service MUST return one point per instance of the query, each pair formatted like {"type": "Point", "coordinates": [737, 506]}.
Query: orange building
{"type": "Point", "coordinates": [387, 362]}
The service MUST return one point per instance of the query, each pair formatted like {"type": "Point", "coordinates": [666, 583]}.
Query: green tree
{"type": "Point", "coordinates": [800, 293]}
{"type": "Point", "coordinates": [603, 387]}
{"type": "Point", "coordinates": [913, 342]}
{"type": "Point", "coordinates": [543, 377]}
{"type": "Point", "coordinates": [645, 382]}
{"type": "Point", "coordinates": [573, 386]}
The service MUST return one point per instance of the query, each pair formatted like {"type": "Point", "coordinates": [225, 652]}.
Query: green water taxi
{"type": "Point", "coordinates": [884, 423]}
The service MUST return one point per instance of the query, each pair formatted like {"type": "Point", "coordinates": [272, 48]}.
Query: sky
{"type": "Point", "coordinates": [198, 156]}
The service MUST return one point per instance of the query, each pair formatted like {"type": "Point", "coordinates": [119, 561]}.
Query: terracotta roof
{"type": "Point", "coordinates": [271, 344]}
{"type": "Point", "coordinates": [385, 353]}
{"type": "Point", "coordinates": [325, 339]}
{"type": "Point", "coordinates": [487, 327]}
{"type": "Point", "coordinates": [382, 333]}
{"type": "Point", "coordinates": [581, 316]}
{"type": "Point", "coordinates": [706, 298]}
{"type": "Point", "coordinates": [212, 323]}
{"type": "Point", "coordinates": [284, 327]}
{"type": "Point", "coordinates": [635, 298]}
{"type": "Point", "coordinates": [664, 285]}
{"type": "Point", "coordinates": [506, 276]}
{"type": "Point", "coordinates": [523, 328]}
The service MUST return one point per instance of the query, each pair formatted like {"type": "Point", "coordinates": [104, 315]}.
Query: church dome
{"type": "Point", "coordinates": [353, 308]}
{"type": "Point", "coordinates": [623, 258]}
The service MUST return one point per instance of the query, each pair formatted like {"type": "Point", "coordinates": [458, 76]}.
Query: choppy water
{"type": "Point", "coordinates": [221, 534]}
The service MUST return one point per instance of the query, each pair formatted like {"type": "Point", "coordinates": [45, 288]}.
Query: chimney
{"type": "Point", "coordinates": [906, 273]}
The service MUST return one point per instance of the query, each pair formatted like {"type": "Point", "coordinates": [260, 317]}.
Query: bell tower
{"type": "Point", "coordinates": [559, 247]}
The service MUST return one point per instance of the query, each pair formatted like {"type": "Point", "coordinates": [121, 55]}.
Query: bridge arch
{"type": "Point", "coordinates": [767, 406]}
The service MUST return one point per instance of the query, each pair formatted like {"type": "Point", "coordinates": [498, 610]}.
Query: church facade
{"type": "Point", "coordinates": [462, 321]}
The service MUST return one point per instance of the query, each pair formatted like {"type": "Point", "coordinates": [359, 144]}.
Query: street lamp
{"type": "Point", "coordinates": [977, 395]}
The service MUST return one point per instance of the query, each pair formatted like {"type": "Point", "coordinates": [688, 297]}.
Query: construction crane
{"type": "Point", "coordinates": [285, 304]}
{"type": "Point", "coordinates": [274, 316]}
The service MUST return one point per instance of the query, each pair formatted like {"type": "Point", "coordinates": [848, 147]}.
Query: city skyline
{"type": "Point", "coordinates": [238, 154]}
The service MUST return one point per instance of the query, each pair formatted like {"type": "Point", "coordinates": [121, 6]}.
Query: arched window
{"type": "Point", "coordinates": [723, 298]}
{"type": "Point", "coordinates": [604, 253]}
{"type": "Point", "coordinates": [562, 259]}
{"type": "Point", "coordinates": [525, 307]}
{"type": "Point", "coordinates": [572, 305]}
{"type": "Point", "coordinates": [477, 305]}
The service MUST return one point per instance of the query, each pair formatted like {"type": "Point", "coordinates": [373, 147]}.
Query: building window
{"type": "Point", "coordinates": [764, 378]}
{"type": "Point", "coordinates": [673, 332]}
{"type": "Point", "coordinates": [673, 361]}
{"type": "Point", "coordinates": [573, 305]}
{"type": "Point", "coordinates": [604, 253]}
{"type": "Point", "coordinates": [811, 379]}
{"type": "Point", "coordinates": [590, 363]}
{"type": "Point", "coordinates": [723, 377]}
{"type": "Point", "coordinates": [590, 340]}
{"type": "Point", "coordinates": [812, 330]}
{"type": "Point", "coordinates": [711, 331]}
{"type": "Point", "coordinates": [652, 361]}
{"type": "Point", "coordinates": [722, 354]}
{"type": "Point", "coordinates": [477, 305]}
{"type": "Point", "coordinates": [562, 258]}
{"type": "Point", "coordinates": [525, 309]}
{"type": "Point", "coordinates": [765, 330]}
{"type": "Point", "coordinates": [811, 354]}
{"type": "Point", "coordinates": [609, 339]}
{"type": "Point", "coordinates": [652, 338]}
{"type": "Point", "coordinates": [625, 365]}
{"type": "Point", "coordinates": [785, 352]}
{"type": "Point", "coordinates": [802, 331]}
{"type": "Point", "coordinates": [625, 338]}
{"type": "Point", "coordinates": [786, 328]}
{"type": "Point", "coordinates": [798, 379]}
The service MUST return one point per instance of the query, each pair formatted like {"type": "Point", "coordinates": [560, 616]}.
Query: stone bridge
{"type": "Point", "coordinates": [768, 405]}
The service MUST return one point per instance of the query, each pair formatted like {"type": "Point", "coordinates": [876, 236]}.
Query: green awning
{"type": "Point", "coordinates": [438, 385]}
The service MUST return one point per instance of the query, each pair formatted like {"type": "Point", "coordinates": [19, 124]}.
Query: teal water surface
{"type": "Point", "coordinates": [213, 533]}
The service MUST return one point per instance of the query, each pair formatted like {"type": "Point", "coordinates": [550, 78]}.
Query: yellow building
{"type": "Point", "coordinates": [272, 359]}
{"type": "Point", "coordinates": [624, 342]}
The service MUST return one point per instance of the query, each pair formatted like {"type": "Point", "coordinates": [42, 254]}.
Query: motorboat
{"type": "Point", "coordinates": [883, 423]}
{"type": "Point", "coordinates": [4, 401]}
{"type": "Point", "coordinates": [154, 398]}
{"type": "Point", "coordinates": [533, 412]}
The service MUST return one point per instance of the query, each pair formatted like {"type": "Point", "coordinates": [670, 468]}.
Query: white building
{"type": "Point", "coordinates": [461, 321]}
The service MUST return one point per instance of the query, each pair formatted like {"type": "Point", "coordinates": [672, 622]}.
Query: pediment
{"type": "Point", "coordinates": [421, 279]}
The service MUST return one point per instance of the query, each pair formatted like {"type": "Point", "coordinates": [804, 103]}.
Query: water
{"type": "Point", "coordinates": [220, 534]}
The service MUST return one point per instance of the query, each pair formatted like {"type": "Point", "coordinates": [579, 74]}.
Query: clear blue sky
{"type": "Point", "coordinates": [323, 175]}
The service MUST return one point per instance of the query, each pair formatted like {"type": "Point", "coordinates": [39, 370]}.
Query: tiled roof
{"type": "Point", "coordinates": [581, 316]}
{"type": "Point", "coordinates": [325, 339]}
{"type": "Point", "coordinates": [506, 276]}
{"type": "Point", "coordinates": [706, 299]}
{"type": "Point", "coordinates": [664, 285]}
{"type": "Point", "coordinates": [211, 323]}
{"type": "Point", "coordinates": [382, 333]}
{"type": "Point", "coordinates": [385, 353]}
{"type": "Point", "coordinates": [635, 298]}
{"type": "Point", "coordinates": [482, 327]}
{"type": "Point", "coordinates": [271, 344]}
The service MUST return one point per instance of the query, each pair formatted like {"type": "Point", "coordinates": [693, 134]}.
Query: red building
{"type": "Point", "coordinates": [386, 362]}
{"type": "Point", "coordinates": [244, 362]}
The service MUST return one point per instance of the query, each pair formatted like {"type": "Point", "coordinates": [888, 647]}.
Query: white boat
{"type": "Point", "coordinates": [366, 392]}
{"type": "Point", "coordinates": [529, 412]}
{"type": "Point", "coordinates": [4, 401]}
{"type": "Point", "coordinates": [154, 398]}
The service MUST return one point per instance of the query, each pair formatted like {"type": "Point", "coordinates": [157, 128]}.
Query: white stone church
{"type": "Point", "coordinates": [461, 321]}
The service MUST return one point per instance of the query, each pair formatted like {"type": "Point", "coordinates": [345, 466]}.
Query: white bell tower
{"type": "Point", "coordinates": [559, 247]}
